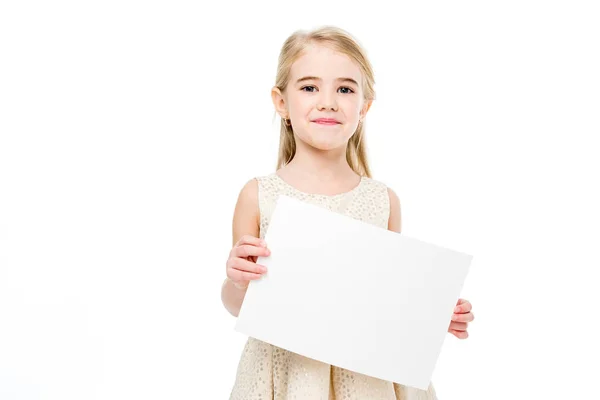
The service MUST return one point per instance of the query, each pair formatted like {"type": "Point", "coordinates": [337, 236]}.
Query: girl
{"type": "Point", "coordinates": [324, 88]}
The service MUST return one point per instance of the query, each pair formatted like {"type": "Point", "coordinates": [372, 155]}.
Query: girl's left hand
{"type": "Point", "coordinates": [461, 318]}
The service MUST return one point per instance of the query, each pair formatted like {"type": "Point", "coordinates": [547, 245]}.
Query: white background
{"type": "Point", "coordinates": [128, 129]}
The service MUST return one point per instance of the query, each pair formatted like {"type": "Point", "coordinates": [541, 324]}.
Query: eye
{"type": "Point", "coordinates": [343, 87]}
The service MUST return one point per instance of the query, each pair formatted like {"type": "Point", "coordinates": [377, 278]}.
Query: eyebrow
{"type": "Point", "coordinates": [314, 78]}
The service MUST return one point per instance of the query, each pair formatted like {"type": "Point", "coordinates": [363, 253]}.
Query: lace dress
{"type": "Point", "coordinates": [266, 371]}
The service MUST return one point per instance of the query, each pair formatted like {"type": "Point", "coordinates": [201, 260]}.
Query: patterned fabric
{"type": "Point", "coordinates": [269, 372]}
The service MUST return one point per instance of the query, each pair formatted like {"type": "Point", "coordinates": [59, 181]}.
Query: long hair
{"type": "Point", "coordinates": [342, 42]}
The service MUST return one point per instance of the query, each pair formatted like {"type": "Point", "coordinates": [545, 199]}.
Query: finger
{"type": "Point", "coordinates": [247, 250]}
{"type": "Point", "coordinates": [463, 306]}
{"type": "Point", "coordinates": [467, 317]}
{"type": "Point", "coordinates": [459, 326]}
{"type": "Point", "coordinates": [247, 266]}
{"type": "Point", "coordinates": [241, 276]}
{"type": "Point", "coordinates": [252, 240]}
{"type": "Point", "coordinates": [460, 334]}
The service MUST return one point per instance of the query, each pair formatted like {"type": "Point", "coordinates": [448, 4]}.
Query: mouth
{"type": "Point", "coordinates": [324, 121]}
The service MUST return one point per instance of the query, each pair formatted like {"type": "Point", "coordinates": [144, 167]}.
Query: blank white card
{"type": "Point", "coordinates": [352, 294]}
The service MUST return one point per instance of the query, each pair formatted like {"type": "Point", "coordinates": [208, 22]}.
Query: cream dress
{"type": "Point", "coordinates": [269, 372]}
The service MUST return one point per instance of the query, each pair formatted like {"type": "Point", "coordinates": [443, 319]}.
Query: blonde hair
{"type": "Point", "coordinates": [340, 41]}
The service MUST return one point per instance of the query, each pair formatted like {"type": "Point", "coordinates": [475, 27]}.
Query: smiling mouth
{"type": "Point", "coordinates": [326, 122]}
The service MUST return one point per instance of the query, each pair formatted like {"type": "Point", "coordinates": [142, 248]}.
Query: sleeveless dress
{"type": "Point", "coordinates": [268, 372]}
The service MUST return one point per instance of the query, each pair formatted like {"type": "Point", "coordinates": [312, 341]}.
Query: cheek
{"type": "Point", "coordinates": [297, 100]}
{"type": "Point", "coordinates": [351, 106]}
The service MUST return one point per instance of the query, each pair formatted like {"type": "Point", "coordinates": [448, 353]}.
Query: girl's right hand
{"type": "Point", "coordinates": [241, 264]}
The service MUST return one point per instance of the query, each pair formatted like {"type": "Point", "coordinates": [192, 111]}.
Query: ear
{"type": "Point", "coordinates": [366, 108]}
{"type": "Point", "coordinates": [279, 102]}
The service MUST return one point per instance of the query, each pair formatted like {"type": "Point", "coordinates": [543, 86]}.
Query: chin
{"type": "Point", "coordinates": [324, 140]}
{"type": "Point", "coordinates": [326, 143]}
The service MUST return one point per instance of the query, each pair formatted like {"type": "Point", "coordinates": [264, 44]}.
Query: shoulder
{"type": "Point", "coordinates": [246, 213]}
{"type": "Point", "coordinates": [249, 191]}
{"type": "Point", "coordinates": [394, 220]}
{"type": "Point", "coordinates": [253, 190]}
{"type": "Point", "coordinates": [377, 185]}
{"type": "Point", "coordinates": [374, 186]}
{"type": "Point", "coordinates": [252, 186]}
{"type": "Point", "coordinates": [247, 202]}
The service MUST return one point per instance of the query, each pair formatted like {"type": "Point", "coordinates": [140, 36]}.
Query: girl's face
{"type": "Point", "coordinates": [324, 84]}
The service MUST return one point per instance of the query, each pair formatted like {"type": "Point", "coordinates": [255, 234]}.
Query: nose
{"type": "Point", "coordinates": [327, 101]}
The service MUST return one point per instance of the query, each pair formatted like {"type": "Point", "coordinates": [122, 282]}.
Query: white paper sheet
{"type": "Point", "coordinates": [352, 294]}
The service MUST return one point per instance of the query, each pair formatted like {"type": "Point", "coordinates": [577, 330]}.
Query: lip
{"type": "Point", "coordinates": [326, 121]}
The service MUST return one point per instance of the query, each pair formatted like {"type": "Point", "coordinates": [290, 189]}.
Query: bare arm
{"type": "Point", "coordinates": [245, 222]}
{"type": "Point", "coordinates": [395, 220]}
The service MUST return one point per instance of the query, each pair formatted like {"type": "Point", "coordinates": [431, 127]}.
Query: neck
{"type": "Point", "coordinates": [321, 165]}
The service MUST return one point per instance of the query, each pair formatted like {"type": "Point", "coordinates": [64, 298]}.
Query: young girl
{"type": "Point", "coordinates": [324, 88]}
